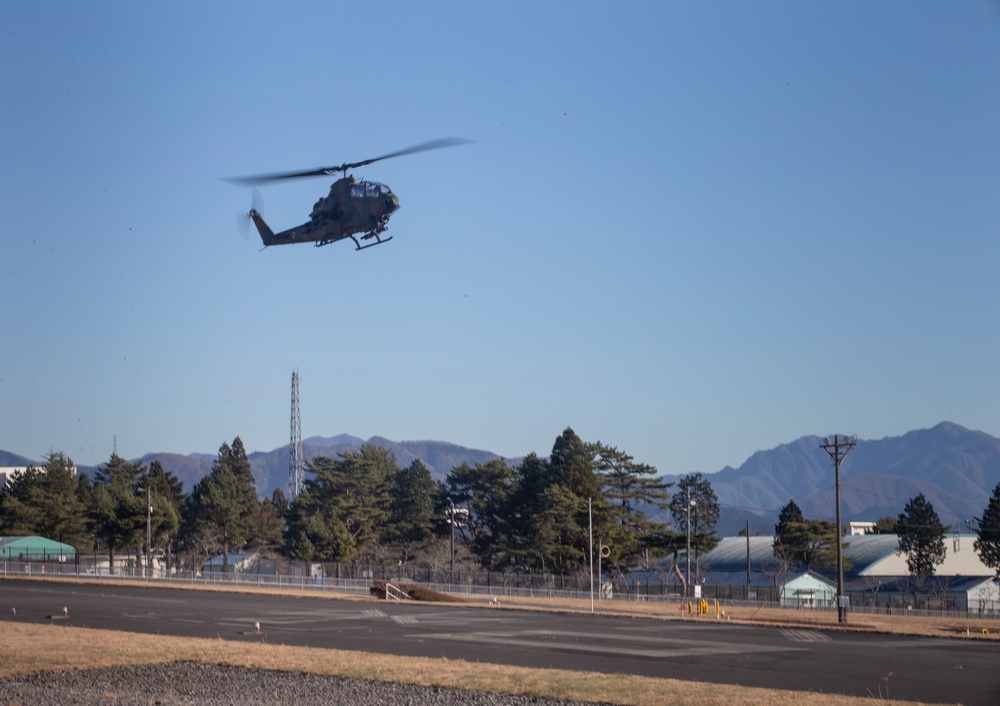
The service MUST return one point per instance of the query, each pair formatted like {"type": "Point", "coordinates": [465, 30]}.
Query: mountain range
{"type": "Point", "coordinates": [270, 468]}
{"type": "Point", "coordinates": [955, 468]}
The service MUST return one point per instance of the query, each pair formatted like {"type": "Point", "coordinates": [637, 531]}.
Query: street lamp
{"type": "Point", "coordinates": [149, 529]}
{"type": "Point", "coordinates": [687, 579]}
{"type": "Point", "coordinates": [838, 450]}
{"type": "Point", "coordinates": [452, 520]}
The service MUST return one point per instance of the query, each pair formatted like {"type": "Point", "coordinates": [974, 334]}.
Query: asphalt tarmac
{"type": "Point", "coordinates": [930, 670]}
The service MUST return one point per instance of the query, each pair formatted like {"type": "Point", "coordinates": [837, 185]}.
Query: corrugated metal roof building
{"type": "Point", "coordinates": [35, 548]}
{"type": "Point", "coordinates": [878, 555]}
{"type": "Point", "coordinates": [972, 593]}
{"type": "Point", "coordinates": [864, 555]}
{"type": "Point", "coordinates": [875, 572]}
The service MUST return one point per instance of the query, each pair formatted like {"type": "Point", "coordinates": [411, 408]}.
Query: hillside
{"type": "Point", "coordinates": [270, 468]}
{"type": "Point", "coordinates": [955, 468]}
{"type": "Point", "coordinates": [8, 459]}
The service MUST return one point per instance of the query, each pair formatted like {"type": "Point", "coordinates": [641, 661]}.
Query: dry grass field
{"type": "Point", "coordinates": [29, 648]}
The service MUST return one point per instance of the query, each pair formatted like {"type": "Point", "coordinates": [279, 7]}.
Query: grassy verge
{"type": "Point", "coordinates": [28, 648]}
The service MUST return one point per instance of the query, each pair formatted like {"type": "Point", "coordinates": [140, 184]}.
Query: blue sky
{"type": "Point", "coordinates": [688, 230]}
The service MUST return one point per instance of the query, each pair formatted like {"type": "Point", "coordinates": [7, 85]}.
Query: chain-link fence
{"type": "Point", "coordinates": [359, 578]}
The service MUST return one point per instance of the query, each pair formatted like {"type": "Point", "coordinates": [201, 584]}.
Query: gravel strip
{"type": "Point", "coordinates": [192, 684]}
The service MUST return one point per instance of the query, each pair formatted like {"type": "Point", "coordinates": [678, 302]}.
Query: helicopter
{"type": "Point", "coordinates": [359, 210]}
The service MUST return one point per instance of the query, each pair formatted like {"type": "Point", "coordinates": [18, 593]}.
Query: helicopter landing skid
{"type": "Point", "coordinates": [378, 241]}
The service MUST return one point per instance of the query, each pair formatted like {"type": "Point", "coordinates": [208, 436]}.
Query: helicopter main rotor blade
{"type": "Point", "coordinates": [259, 179]}
{"type": "Point", "coordinates": [422, 147]}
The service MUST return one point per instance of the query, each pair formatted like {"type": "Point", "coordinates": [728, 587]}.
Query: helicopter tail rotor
{"type": "Point", "coordinates": [243, 219]}
{"type": "Point", "coordinates": [266, 234]}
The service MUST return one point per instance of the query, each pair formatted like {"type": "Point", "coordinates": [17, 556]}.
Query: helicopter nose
{"type": "Point", "coordinates": [395, 201]}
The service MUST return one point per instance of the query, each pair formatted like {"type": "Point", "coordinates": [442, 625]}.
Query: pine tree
{"type": "Point", "coordinates": [343, 513]}
{"type": "Point", "coordinates": [921, 536]}
{"type": "Point", "coordinates": [884, 525]}
{"type": "Point", "coordinates": [704, 513]}
{"type": "Point", "coordinates": [117, 505]}
{"type": "Point", "coordinates": [165, 498]}
{"type": "Point", "coordinates": [571, 467]}
{"type": "Point", "coordinates": [628, 488]}
{"type": "Point", "coordinates": [988, 541]}
{"type": "Point", "coordinates": [412, 504]}
{"type": "Point", "coordinates": [524, 505]}
{"type": "Point", "coordinates": [271, 520]}
{"type": "Point", "coordinates": [485, 491]}
{"type": "Point", "coordinates": [225, 501]}
{"type": "Point", "coordinates": [789, 539]}
{"type": "Point", "coordinates": [21, 506]}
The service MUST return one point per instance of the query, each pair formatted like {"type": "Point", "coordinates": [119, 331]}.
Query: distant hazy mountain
{"type": "Point", "coordinates": [10, 460]}
{"type": "Point", "coordinates": [955, 468]}
{"type": "Point", "coordinates": [270, 468]}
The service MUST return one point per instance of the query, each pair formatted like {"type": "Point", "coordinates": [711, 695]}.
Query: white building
{"type": "Point", "coordinates": [8, 473]}
{"type": "Point", "coordinates": [860, 527]}
{"type": "Point", "coordinates": [878, 555]}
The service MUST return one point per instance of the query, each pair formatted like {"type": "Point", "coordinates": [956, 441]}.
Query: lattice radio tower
{"type": "Point", "coordinates": [296, 469]}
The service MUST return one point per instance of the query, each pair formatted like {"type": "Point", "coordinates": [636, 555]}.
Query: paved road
{"type": "Point", "coordinates": [925, 669]}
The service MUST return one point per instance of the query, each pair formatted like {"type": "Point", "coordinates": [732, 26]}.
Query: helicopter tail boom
{"type": "Point", "coordinates": [266, 234]}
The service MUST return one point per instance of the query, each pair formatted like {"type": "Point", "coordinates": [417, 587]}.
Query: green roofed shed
{"type": "Point", "coordinates": [35, 549]}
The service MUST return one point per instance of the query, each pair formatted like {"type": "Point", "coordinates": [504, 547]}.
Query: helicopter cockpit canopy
{"type": "Point", "coordinates": [369, 189]}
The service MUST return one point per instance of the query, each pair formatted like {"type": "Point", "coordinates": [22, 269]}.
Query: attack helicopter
{"type": "Point", "coordinates": [359, 210]}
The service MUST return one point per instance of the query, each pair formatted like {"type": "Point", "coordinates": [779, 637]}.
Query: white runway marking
{"type": "Point", "coordinates": [604, 643]}
{"type": "Point", "coordinates": [805, 636]}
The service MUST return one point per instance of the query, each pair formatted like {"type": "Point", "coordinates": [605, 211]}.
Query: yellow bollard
{"type": "Point", "coordinates": [718, 609]}
{"type": "Point", "coordinates": [690, 607]}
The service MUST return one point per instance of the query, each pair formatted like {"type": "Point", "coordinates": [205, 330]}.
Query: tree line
{"type": "Point", "coordinates": [362, 507]}
{"type": "Point", "coordinates": [812, 544]}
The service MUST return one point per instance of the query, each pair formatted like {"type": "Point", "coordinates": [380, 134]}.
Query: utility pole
{"type": "Point", "coordinates": [748, 560]}
{"type": "Point", "coordinates": [838, 450]}
{"type": "Point", "coordinates": [451, 521]}
{"type": "Point", "coordinates": [149, 530]}
{"type": "Point", "coordinates": [590, 548]}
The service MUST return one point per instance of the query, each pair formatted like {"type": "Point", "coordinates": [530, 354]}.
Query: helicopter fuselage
{"type": "Point", "coordinates": [351, 210]}
{"type": "Point", "coordinates": [355, 210]}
